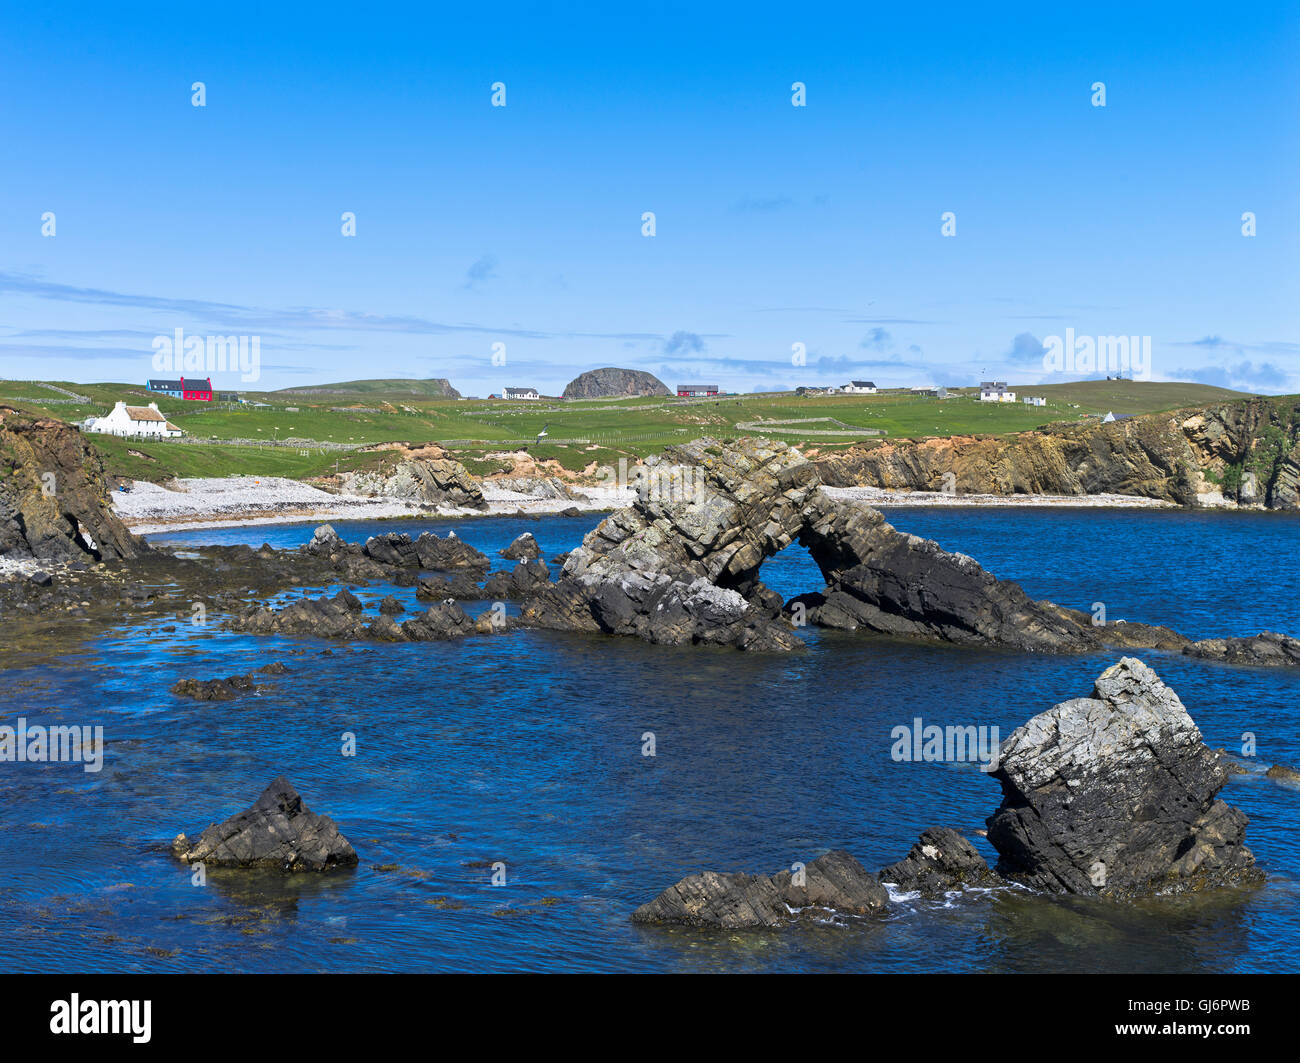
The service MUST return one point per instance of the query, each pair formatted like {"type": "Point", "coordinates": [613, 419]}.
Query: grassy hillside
{"type": "Point", "coordinates": [302, 435]}
{"type": "Point", "coordinates": [399, 387]}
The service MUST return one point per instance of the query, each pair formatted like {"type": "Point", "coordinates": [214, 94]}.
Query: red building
{"type": "Point", "coordinates": [199, 390]}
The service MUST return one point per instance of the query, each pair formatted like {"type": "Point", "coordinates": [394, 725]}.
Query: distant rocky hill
{"type": "Point", "coordinates": [614, 384]}
{"type": "Point", "coordinates": [1245, 452]}
{"type": "Point", "coordinates": [432, 388]}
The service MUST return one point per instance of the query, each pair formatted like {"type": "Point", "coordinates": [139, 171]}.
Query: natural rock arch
{"type": "Point", "coordinates": [685, 566]}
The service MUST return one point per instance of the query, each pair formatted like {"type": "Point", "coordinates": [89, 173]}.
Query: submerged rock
{"type": "Point", "coordinates": [940, 861]}
{"type": "Point", "coordinates": [1281, 773]}
{"type": "Point", "coordinates": [1267, 649]}
{"type": "Point", "coordinates": [215, 689]}
{"type": "Point", "coordinates": [279, 831]}
{"type": "Point", "coordinates": [1115, 794]}
{"type": "Point", "coordinates": [832, 884]}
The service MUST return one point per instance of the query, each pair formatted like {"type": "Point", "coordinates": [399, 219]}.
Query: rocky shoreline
{"type": "Point", "coordinates": [1113, 794]}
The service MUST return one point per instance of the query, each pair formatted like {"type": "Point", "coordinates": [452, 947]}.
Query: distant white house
{"type": "Point", "coordinates": [520, 393]}
{"type": "Point", "coordinates": [860, 387]}
{"type": "Point", "coordinates": [127, 420]}
{"type": "Point", "coordinates": [1034, 400]}
{"type": "Point", "coordinates": [996, 391]}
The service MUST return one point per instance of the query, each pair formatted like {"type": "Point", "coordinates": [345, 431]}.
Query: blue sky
{"type": "Point", "coordinates": [775, 225]}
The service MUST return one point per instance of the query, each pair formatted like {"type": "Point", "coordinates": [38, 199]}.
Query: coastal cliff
{"type": "Point", "coordinates": [54, 494]}
{"type": "Point", "coordinates": [1235, 453]}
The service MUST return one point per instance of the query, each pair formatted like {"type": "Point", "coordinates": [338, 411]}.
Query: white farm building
{"type": "Point", "coordinates": [996, 391]}
{"type": "Point", "coordinates": [127, 420]}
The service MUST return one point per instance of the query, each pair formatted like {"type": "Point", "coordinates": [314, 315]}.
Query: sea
{"type": "Point", "coordinates": [514, 798]}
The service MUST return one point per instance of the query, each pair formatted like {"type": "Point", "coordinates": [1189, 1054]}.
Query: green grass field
{"type": "Point", "coordinates": [225, 440]}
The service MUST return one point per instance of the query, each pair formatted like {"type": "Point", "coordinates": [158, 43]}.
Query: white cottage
{"type": "Point", "coordinates": [996, 391]}
{"type": "Point", "coordinates": [127, 420]}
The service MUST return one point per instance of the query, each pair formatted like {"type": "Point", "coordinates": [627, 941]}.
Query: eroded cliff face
{"type": "Point", "coordinates": [54, 494]}
{"type": "Point", "coordinates": [1246, 452]}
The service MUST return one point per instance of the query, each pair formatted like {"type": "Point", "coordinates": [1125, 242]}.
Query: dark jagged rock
{"type": "Point", "coordinates": [449, 554]}
{"type": "Point", "coordinates": [428, 552]}
{"type": "Point", "coordinates": [658, 609]}
{"type": "Point", "coordinates": [55, 495]}
{"type": "Point", "coordinates": [610, 383]}
{"type": "Point", "coordinates": [445, 620]}
{"type": "Point", "coordinates": [1227, 763]}
{"type": "Point", "coordinates": [1267, 649]}
{"type": "Point", "coordinates": [333, 618]}
{"type": "Point", "coordinates": [1115, 794]}
{"type": "Point", "coordinates": [833, 884]}
{"type": "Point", "coordinates": [390, 606]}
{"type": "Point", "coordinates": [348, 601]}
{"type": "Point", "coordinates": [392, 548]}
{"type": "Point", "coordinates": [699, 531]}
{"type": "Point", "coordinates": [437, 480]}
{"type": "Point", "coordinates": [279, 831]}
{"type": "Point", "coordinates": [526, 578]}
{"type": "Point", "coordinates": [458, 585]}
{"type": "Point", "coordinates": [940, 861]}
{"type": "Point", "coordinates": [215, 689]}
{"type": "Point", "coordinates": [891, 583]}
{"type": "Point", "coordinates": [524, 548]}
{"type": "Point", "coordinates": [681, 565]}
{"type": "Point", "coordinates": [318, 617]}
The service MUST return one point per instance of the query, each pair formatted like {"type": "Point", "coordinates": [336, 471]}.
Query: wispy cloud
{"type": "Point", "coordinates": [1026, 349]}
{"type": "Point", "coordinates": [681, 342]}
{"type": "Point", "coordinates": [1243, 376]}
{"type": "Point", "coordinates": [236, 317]}
{"type": "Point", "coordinates": [481, 272]}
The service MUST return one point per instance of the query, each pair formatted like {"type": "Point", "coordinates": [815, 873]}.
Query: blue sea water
{"type": "Point", "coordinates": [526, 749]}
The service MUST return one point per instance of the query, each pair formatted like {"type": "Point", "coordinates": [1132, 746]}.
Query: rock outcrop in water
{"type": "Point", "coordinates": [613, 383]}
{"type": "Point", "coordinates": [940, 861]}
{"type": "Point", "coordinates": [523, 548]}
{"type": "Point", "coordinates": [1110, 795]}
{"type": "Point", "coordinates": [681, 565]}
{"type": "Point", "coordinates": [54, 495]}
{"type": "Point", "coordinates": [1267, 649]}
{"type": "Point", "coordinates": [834, 884]}
{"type": "Point", "coordinates": [278, 832]}
{"type": "Point", "coordinates": [1246, 451]}
{"type": "Point", "coordinates": [1116, 794]}
{"type": "Point", "coordinates": [341, 617]}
